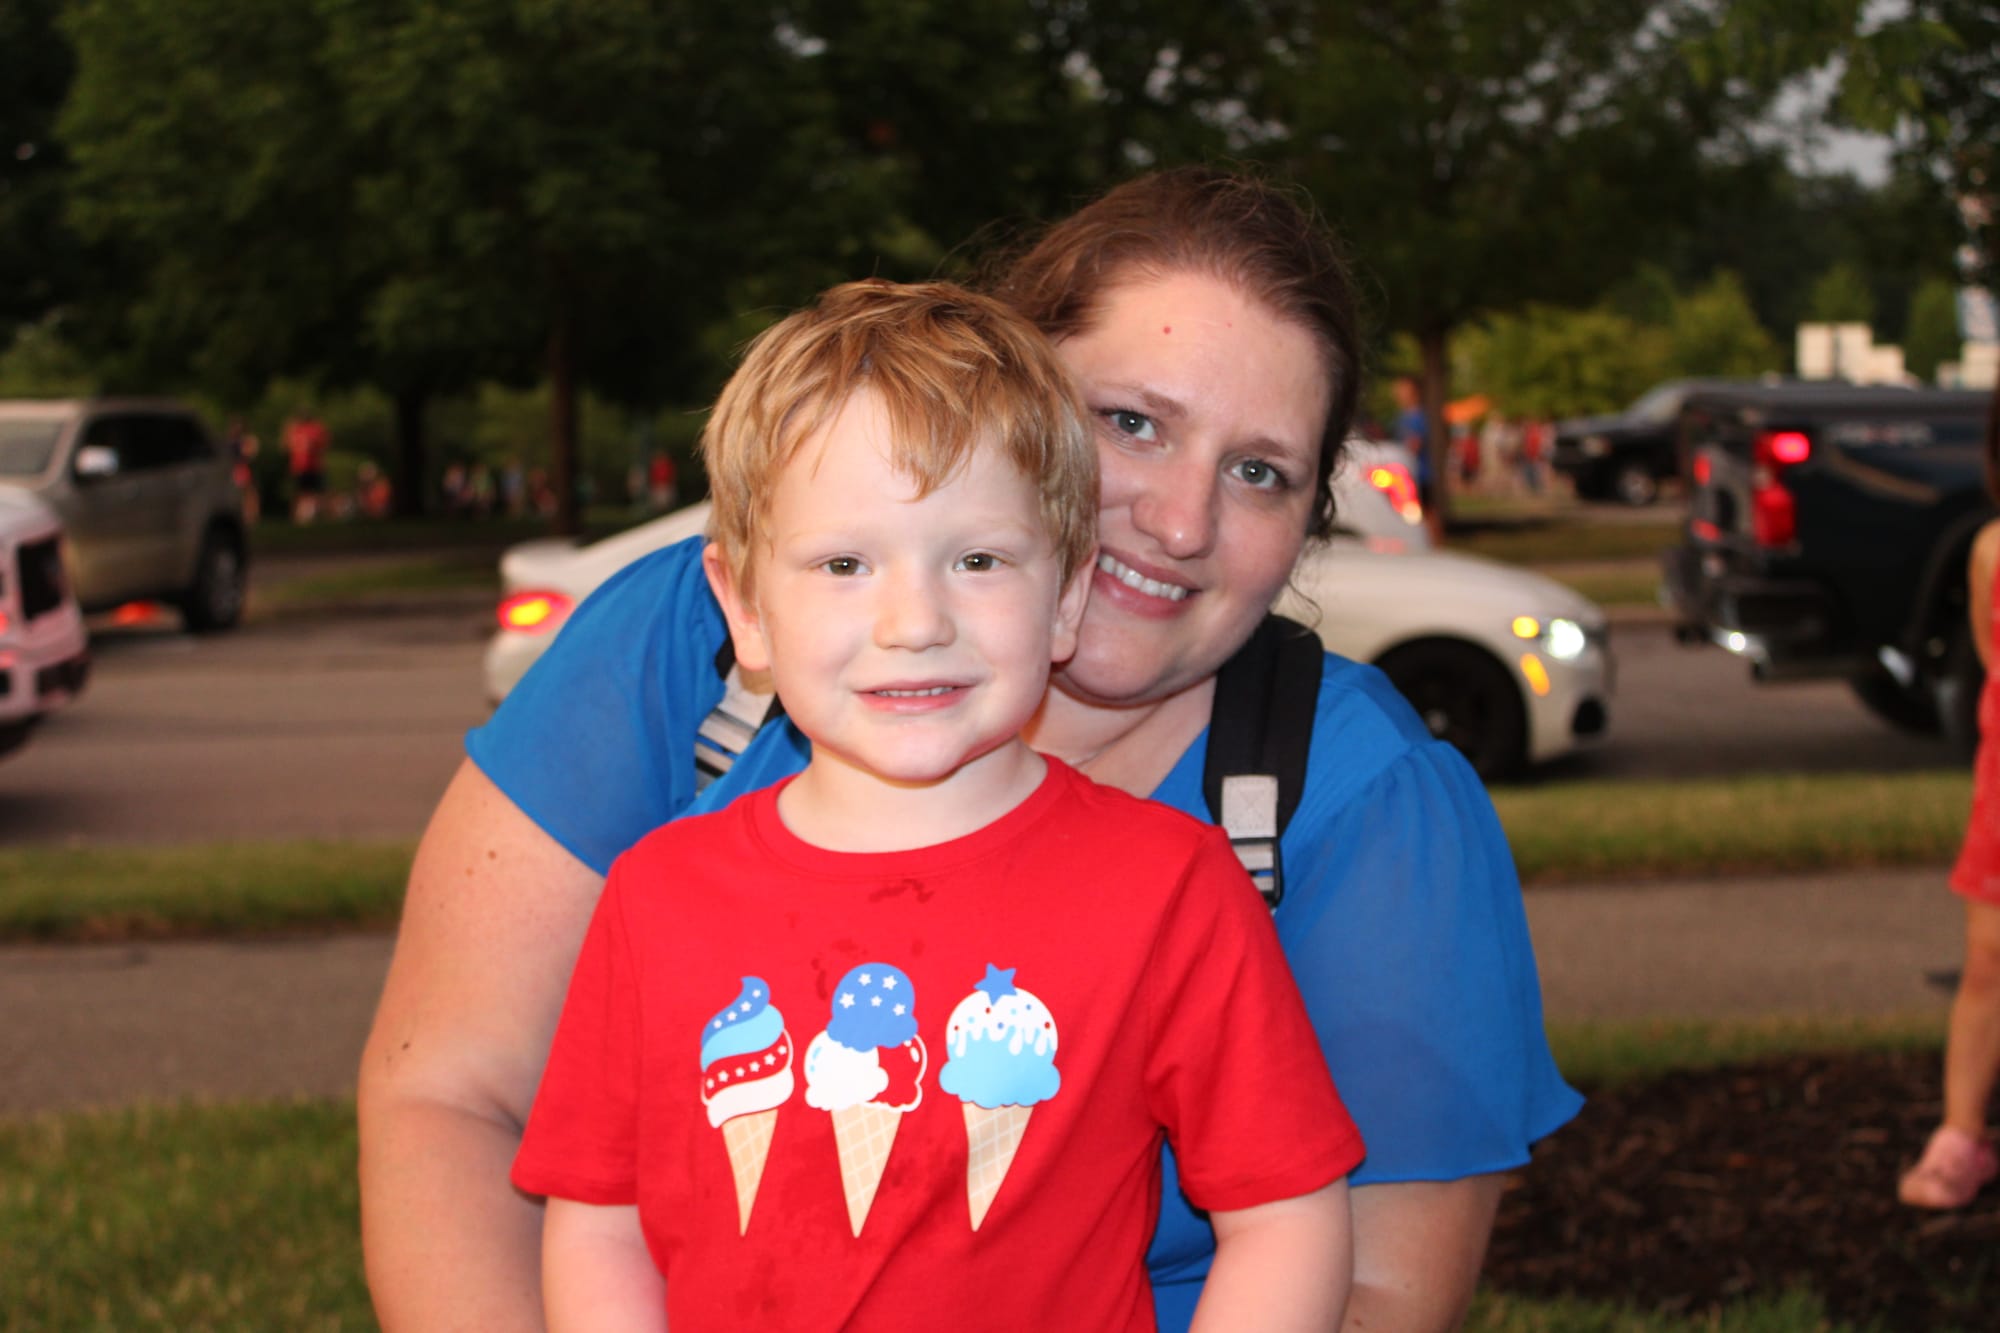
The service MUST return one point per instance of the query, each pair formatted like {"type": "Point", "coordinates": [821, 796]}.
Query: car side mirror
{"type": "Point", "coordinates": [96, 460]}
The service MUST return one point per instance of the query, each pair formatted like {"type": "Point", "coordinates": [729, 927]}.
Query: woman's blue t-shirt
{"type": "Point", "coordinates": [1402, 915]}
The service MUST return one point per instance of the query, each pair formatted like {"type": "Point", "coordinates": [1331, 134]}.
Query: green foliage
{"type": "Point", "coordinates": [41, 264]}
{"type": "Point", "coordinates": [1550, 362]}
{"type": "Point", "coordinates": [39, 364]}
{"type": "Point", "coordinates": [1715, 332]}
{"type": "Point", "coordinates": [1841, 296]}
{"type": "Point", "coordinates": [1931, 336]}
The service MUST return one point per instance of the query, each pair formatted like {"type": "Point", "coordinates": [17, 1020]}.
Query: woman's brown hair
{"type": "Point", "coordinates": [1256, 235]}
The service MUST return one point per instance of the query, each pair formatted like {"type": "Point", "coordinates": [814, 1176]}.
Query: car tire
{"type": "Point", "coordinates": [1464, 695]}
{"type": "Point", "coordinates": [1911, 708]}
{"type": "Point", "coordinates": [13, 735]}
{"type": "Point", "coordinates": [1956, 691]}
{"type": "Point", "coordinates": [1634, 484]}
{"type": "Point", "coordinates": [214, 600]}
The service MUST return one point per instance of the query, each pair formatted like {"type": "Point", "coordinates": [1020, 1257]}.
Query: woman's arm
{"type": "Point", "coordinates": [1280, 1266]}
{"type": "Point", "coordinates": [494, 917]}
{"type": "Point", "coordinates": [1979, 590]}
{"type": "Point", "coordinates": [1418, 1248]}
{"type": "Point", "coordinates": [597, 1273]}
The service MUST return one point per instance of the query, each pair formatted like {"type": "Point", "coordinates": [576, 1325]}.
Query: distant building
{"type": "Point", "coordinates": [1847, 352]}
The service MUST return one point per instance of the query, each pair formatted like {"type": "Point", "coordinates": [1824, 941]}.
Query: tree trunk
{"type": "Point", "coordinates": [562, 428]}
{"type": "Point", "coordinates": [1433, 383]}
{"type": "Point", "coordinates": [411, 499]}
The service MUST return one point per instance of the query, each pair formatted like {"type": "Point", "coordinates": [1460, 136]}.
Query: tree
{"type": "Point", "coordinates": [1715, 332]}
{"type": "Point", "coordinates": [1549, 362]}
{"type": "Point", "coordinates": [1482, 154]}
{"type": "Point", "coordinates": [1841, 296]}
{"type": "Point", "coordinates": [1931, 337]}
{"type": "Point", "coordinates": [40, 261]}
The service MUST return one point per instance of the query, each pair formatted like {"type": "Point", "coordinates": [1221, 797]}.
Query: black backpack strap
{"type": "Point", "coordinates": [1259, 734]}
{"type": "Point", "coordinates": [731, 725]}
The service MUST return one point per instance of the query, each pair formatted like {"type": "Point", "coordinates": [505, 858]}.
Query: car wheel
{"type": "Point", "coordinates": [13, 735]}
{"type": "Point", "coordinates": [1956, 693]}
{"type": "Point", "coordinates": [1465, 696]}
{"type": "Point", "coordinates": [1905, 707]}
{"type": "Point", "coordinates": [1635, 485]}
{"type": "Point", "coordinates": [214, 601]}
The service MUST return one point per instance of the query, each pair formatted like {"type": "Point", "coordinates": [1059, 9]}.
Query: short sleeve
{"type": "Point", "coordinates": [581, 1140]}
{"type": "Point", "coordinates": [596, 742]}
{"type": "Point", "coordinates": [1233, 1069]}
{"type": "Point", "coordinates": [1404, 923]}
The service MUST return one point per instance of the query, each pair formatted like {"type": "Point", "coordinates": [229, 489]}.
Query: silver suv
{"type": "Point", "coordinates": [146, 495]}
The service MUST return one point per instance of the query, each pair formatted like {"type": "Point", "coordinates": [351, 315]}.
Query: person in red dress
{"type": "Point", "coordinates": [1959, 1160]}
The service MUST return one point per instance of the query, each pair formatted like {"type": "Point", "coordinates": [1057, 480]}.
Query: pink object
{"type": "Point", "coordinates": [1954, 1168]}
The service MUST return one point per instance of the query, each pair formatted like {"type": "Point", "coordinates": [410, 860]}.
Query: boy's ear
{"type": "Point", "coordinates": [1069, 611]}
{"type": "Point", "coordinates": [746, 631]}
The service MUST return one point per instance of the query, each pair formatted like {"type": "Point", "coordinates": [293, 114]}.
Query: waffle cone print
{"type": "Point", "coordinates": [867, 1070]}
{"type": "Point", "coordinates": [1000, 1048]}
{"type": "Point", "coordinates": [746, 1076]}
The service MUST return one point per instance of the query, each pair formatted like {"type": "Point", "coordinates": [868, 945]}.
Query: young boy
{"type": "Point", "coordinates": [893, 1044]}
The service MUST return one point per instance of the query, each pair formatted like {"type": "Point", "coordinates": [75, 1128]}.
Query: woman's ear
{"type": "Point", "coordinates": [1069, 611]}
{"type": "Point", "coordinates": [746, 631]}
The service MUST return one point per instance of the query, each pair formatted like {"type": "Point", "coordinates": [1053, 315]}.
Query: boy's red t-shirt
{"type": "Point", "coordinates": [1081, 977]}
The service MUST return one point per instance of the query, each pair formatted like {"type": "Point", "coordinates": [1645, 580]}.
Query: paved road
{"type": "Point", "coordinates": [350, 726]}
{"type": "Point", "coordinates": [107, 1025]}
{"type": "Point", "coordinates": [343, 727]}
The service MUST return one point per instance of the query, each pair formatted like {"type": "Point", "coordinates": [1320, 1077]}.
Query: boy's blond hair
{"type": "Point", "coordinates": [956, 372]}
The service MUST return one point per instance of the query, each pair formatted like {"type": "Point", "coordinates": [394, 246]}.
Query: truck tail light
{"type": "Point", "coordinates": [1774, 519]}
{"type": "Point", "coordinates": [1399, 488]}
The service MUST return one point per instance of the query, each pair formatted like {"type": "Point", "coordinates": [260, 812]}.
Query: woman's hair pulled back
{"type": "Point", "coordinates": [1230, 224]}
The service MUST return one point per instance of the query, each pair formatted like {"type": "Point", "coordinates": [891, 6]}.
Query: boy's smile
{"type": "Point", "coordinates": [910, 638]}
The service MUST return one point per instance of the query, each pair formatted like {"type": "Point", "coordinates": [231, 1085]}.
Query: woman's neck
{"type": "Point", "coordinates": [1130, 747]}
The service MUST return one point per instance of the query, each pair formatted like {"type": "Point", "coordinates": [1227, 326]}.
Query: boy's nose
{"type": "Point", "coordinates": [912, 614]}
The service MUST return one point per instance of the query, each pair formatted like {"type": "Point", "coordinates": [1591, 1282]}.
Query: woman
{"type": "Point", "coordinates": [1211, 329]}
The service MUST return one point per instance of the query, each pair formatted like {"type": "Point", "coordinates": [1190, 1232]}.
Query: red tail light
{"type": "Point", "coordinates": [1399, 488]}
{"type": "Point", "coordinates": [534, 612]}
{"type": "Point", "coordinates": [1774, 519]}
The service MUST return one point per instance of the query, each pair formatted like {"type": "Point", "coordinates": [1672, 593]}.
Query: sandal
{"type": "Point", "coordinates": [1954, 1168]}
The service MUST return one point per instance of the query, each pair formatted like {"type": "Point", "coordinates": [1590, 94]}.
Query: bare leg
{"type": "Point", "coordinates": [1972, 1051]}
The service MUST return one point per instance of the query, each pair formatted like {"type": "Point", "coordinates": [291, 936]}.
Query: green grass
{"type": "Point", "coordinates": [1559, 540]}
{"type": "Point", "coordinates": [1560, 833]}
{"type": "Point", "coordinates": [183, 1218]}
{"type": "Point", "coordinates": [158, 892]}
{"type": "Point", "coordinates": [1636, 585]}
{"type": "Point", "coordinates": [1600, 1055]}
{"type": "Point", "coordinates": [434, 573]}
{"type": "Point", "coordinates": [1768, 824]}
{"type": "Point", "coordinates": [244, 1216]}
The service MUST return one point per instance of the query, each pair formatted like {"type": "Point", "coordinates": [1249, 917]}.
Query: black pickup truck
{"type": "Point", "coordinates": [1827, 535]}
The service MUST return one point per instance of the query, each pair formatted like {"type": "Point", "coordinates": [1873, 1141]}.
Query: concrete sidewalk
{"type": "Point", "coordinates": [110, 1024]}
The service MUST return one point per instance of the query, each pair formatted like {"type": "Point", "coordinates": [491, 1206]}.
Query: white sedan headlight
{"type": "Point", "coordinates": [1561, 638]}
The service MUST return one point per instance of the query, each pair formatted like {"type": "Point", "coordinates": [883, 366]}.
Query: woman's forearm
{"type": "Point", "coordinates": [1418, 1249]}
{"type": "Point", "coordinates": [1281, 1267]}
{"type": "Point", "coordinates": [449, 1243]}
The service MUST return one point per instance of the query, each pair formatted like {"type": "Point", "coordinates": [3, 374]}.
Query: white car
{"type": "Point", "coordinates": [1511, 667]}
{"type": "Point", "coordinates": [44, 652]}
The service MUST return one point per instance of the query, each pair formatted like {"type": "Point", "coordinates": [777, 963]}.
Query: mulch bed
{"type": "Point", "coordinates": [1690, 1192]}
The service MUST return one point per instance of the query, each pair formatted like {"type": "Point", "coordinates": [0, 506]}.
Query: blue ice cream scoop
{"type": "Point", "coordinates": [1001, 1046]}
{"type": "Point", "coordinates": [874, 1005]}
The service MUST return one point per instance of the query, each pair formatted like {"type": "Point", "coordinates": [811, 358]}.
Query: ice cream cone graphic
{"type": "Point", "coordinates": [867, 1070]}
{"type": "Point", "coordinates": [1000, 1061]}
{"type": "Point", "coordinates": [746, 1075]}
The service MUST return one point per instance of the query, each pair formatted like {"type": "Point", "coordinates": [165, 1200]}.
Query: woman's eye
{"type": "Point", "coordinates": [980, 562]}
{"type": "Point", "coordinates": [1262, 475]}
{"type": "Point", "coordinates": [1127, 422]}
{"type": "Point", "coordinates": [842, 565]}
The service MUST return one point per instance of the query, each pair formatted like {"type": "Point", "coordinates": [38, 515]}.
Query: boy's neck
{"type": "Point", "coordinates": [838, 807]}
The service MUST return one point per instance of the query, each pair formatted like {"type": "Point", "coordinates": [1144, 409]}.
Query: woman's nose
{"type": "Point", "coordinates": [912, 613]}
{"type": "Point", "coordinates": [1176, 507]}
